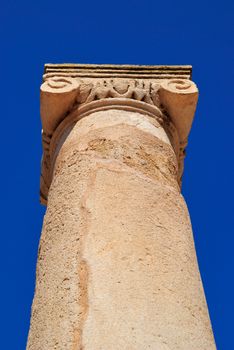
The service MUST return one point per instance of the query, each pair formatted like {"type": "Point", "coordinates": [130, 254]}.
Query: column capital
{"type": "Point", "coordinates": [72, 91]}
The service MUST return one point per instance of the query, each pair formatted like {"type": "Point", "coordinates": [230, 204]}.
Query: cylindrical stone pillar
{"type": "Point", "coordinates": [117, 267]}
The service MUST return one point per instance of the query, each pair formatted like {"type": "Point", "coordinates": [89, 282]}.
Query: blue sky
{"type": "Point", "coordinates": [198, 32]}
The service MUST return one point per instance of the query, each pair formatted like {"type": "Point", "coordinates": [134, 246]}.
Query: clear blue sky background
{"type": "Point", "coordinates": [198, 32]}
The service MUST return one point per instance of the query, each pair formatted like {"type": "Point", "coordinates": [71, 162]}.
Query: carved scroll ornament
{"type": "Point", "coordinates": [66, 99]}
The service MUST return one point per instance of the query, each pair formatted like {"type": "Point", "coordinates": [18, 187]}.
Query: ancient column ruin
{"type": "Point", "coordinates": [117, 267]}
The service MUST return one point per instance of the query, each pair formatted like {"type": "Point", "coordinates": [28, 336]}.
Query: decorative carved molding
{"type": "Point", "coordinates": [71, 92]}
{"type": "Point", "coordinates": [117, 71]}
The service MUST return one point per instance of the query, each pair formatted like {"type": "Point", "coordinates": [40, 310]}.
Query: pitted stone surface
{"type": "Point", "coordinates": [117, 267]}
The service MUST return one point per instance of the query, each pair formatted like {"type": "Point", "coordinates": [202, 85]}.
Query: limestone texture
{"type": "Point", "coordinates": [117, 268]}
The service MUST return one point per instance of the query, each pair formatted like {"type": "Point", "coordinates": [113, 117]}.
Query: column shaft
{"type": "Point", "coordinates": [117, 267]}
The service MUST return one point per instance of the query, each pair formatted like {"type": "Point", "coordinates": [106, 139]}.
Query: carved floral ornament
{"type": "Point", "coordinates": [66, 99]}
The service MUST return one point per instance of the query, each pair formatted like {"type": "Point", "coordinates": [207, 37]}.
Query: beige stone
{"type": "Point", "coordinates": [117, 267]}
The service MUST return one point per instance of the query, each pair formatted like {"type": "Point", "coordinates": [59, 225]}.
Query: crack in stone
{"type": "Point", "coordinates": [83, 271]}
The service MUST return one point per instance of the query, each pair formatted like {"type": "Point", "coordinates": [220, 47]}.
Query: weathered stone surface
{"type": "Point", "coordinates": [117, 267]}
{"type": "Point", "coordinates": [71, 92]}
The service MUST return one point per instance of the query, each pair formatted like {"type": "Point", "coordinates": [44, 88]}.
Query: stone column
{"type": "Point", "coordinates": [117, 267]}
